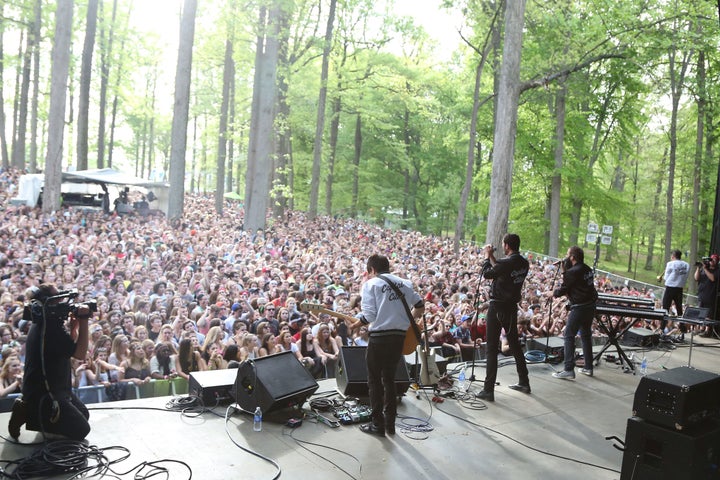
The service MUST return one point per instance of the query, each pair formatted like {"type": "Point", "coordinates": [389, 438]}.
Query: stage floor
{"type": "Point", "coordinates": [556, 432]}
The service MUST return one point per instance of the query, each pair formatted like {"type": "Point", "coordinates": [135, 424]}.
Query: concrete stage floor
{"type": "Point", "coordinates": [558, 432]}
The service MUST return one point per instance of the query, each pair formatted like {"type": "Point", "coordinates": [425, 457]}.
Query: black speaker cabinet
{"type": "Point", "coordinates": [653, 452]}
{"type": "Point", "coordinates": [351, 375]}
{"type": "Point", "coordinates": [273, 382]}
{"type": "Point", "coordinates": [678, 398]}
{"type": "Point", "coordinates": [640, 337]}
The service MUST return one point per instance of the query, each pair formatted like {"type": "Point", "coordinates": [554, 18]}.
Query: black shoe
{"type": "Point", "coordinates": [520, 387]}
{"type": "Point", "coordinates": [17, 418]}
{"type": "Point", "coordinates": [390, 427]}
{"type": "Point", "coordinates": [485, 395]}
{"type": "Point", "coordinates": [373, 429]}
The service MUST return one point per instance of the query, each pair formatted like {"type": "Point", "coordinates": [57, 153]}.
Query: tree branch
{"type": "Point", "coordinates": [547, 79]}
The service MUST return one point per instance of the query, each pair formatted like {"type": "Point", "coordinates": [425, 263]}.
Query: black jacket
{"type": "Point", "coordinates": [578, 284]}
{"type": "Point", "coordinates": [508, 276]}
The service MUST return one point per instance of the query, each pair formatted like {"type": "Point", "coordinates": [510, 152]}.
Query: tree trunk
{"type": "Point", "coordinates": [697, 167]}
{"type": "Point", "coordinates": [283, 149]}
{"type": "Point", "coordinates": [228, 76]}
{"type": "Point", "coordinates": [677, 81]}
{"type": "Point", "coordinates": [105, 61]}
{"type": "Point", "coordinates": [37, 23]}
{"type": "Point", "coordinates": [334, 129]}
{"type": "Point", "coordinates": [18, 154]}
{"type": "Point", "coordinates": [506, 124]}
{"type": "Point", "coordinates": [257, 192]}
{"type": "Point", "coordinates": [3, 139]}
{"type": "Point", "coordinates": [356, 166]}
{"type": "Point", "coordinates": [180, 111]}
{"type": "Point", "coordinates": [650, 257]}
{"type": "Point", "coordinates": [320, 122]}
{"type": "Point", "coordinates": [85, 77]}
{"type": "Point", "coordinates": [56, 113]}
{"type": "Point", "coordinates": [556, 184]}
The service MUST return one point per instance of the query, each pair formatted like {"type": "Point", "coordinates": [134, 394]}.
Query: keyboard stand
{"type": "Point", "coordinates": [612, 341]}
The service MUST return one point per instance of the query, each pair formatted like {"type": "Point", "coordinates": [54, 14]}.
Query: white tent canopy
{"type": "Point", "coordinates": [31, 185]}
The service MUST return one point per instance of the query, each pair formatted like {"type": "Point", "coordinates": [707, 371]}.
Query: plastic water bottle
{"type": "Point", "coordinates": [643, 366]}
{"type": "Point", "coordinates": [462, 380]}
{"type": "Point", "coordinates": [257, 420]}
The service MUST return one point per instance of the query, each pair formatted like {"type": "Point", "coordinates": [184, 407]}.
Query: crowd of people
{"type": "Point", "coordinates": [204, 293]}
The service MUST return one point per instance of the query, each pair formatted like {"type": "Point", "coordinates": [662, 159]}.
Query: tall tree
{"type": "Point", "coordinates": [34, 113]}
{"type": "Point", "coordinates": [181, 110]}
{"type": "Point", "coordinates": [228, 79]}
{"type": "Point", "coordinates": [56, 114]}
{"type": "Point", "coordinates": [320, 121]}
{"type": "Point", "coordinates": [105, 64]}
{"type": "Point", "coordinates": [85, 77]}
{"type": "Point", "coordinates": [506, 123]}
{"type": "Point", "coordinates": [262, 132]}
{"type": "Point", "coordinates": [3, 139]}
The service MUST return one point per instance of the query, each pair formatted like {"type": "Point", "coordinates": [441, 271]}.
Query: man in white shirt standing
{"type": "Point", "coordinates": [387, 321]}
{"type": "Point", "coordinates": [676, 273]}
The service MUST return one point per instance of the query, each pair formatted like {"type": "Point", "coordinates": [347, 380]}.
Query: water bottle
{"type": "Point", "coordinates": [462, 380]}
{"type": "Point", "coordinates": [257, 419]}
{"type": "Point", "coordinates": [643, 366]}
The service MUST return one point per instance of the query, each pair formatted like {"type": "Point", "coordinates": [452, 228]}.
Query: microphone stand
{"type": "Point", "coordinates": [549, 310]}
{"type": "Point", "coordinates": [476, 306]}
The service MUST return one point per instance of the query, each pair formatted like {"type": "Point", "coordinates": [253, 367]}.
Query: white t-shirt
{"type": "Point", "coordinates": [676, 273]}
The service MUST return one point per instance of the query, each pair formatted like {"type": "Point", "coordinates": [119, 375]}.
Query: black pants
{"type": "Point", "coordinates": [501, 316]}
{"type": "Point", "coordinates": [672, 294]}
{"type": "Point", "coordinates": [72, 422]}
{"type": "Point", "coordinates": [382, 356]}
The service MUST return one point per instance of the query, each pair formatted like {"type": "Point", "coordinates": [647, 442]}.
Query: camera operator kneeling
{"type": "Point", "coordinates": [48, 404]}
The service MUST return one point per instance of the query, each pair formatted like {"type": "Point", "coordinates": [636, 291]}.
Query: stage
{"type": "Point", "coordinates": [558, 432]}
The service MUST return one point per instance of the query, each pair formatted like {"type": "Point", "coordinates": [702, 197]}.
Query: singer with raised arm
{"type": "Point", "coordinates": [383, 295]}
{"type": "Point", "coordinates": [579, 287]}
{"type": "Point", "coordinates": [508, 275]}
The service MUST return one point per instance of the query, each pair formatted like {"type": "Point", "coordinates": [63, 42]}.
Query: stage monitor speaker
{"type": "Point", "coordinates": [640, 337]}
{"type": "Point", "coordinates": [351, 375]}
{"type": "Point", "coordinates": [654, 452]}
{"type": "Point", "coordinates": [213, 387]}
{"type": "Point", "coordinates": [273, 382]}
{"type": "Point", "coordinates": [678, 398]}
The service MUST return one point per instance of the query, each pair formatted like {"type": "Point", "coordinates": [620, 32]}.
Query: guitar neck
{"type": "Point", "coordinates": [311, 308]}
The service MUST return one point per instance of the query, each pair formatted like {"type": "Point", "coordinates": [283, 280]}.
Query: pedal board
{"type": "Point", "coordinates": [357, 414]}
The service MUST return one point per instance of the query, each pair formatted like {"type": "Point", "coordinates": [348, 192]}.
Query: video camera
{"type": "Point", "coordinates": [57, 306]}
{"type": "Point", "coordinates": [705, 261]}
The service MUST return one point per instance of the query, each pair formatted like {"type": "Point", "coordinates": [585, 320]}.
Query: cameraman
{"type": "Point", "coordinates": [706, 278]}
{"type": "Point", "coordinates": [48, 404]}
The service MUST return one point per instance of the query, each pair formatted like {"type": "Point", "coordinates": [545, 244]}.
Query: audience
{"type": "Point", "coordinates": [176, 297]}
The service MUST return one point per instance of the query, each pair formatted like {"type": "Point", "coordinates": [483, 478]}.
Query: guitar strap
{"type": "Point", "coordinates": [400, 295]}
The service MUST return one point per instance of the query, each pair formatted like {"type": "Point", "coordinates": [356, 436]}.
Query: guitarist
{"type": "Point", "coordinates": [387, 320]}
{"type": "Point", "coordinates": [508, 275]}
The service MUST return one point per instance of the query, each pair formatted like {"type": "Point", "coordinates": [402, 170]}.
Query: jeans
{"type": "Point", "coordinates": [382, 356]}
{"type": "Point", "coordinates": [72, 422]}
{"type": "Point", "coordinates": [580, 319]}
{"type": "Point", "coordinates": [501, 316]}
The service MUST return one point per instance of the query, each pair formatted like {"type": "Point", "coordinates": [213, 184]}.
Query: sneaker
{"type": "Point", "coordinates": [485, 395]}
{"type": "Point", "coordinates": [520, 387]}
{"type": "Point", "coordinates": [565, 375]}
{"type": "Point", "coordinates": [17, 418]}
{"type": "Point", "coordinates": [373, 429]}
{"type": "Point", "coordinates": [587, 371]}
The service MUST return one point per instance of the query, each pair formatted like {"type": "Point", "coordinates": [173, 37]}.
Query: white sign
{"type": "Point", "coordinates": [605, 240]}
{"type": "Point", "coordinates": [607, 229]}
{"type": "Point", "coordinates": [591, 238]}
{"type": "Point", "coordinates": [593, 227]}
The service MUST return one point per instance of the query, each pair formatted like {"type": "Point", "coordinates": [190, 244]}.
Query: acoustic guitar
{"type": "Point", "coordinates": [411, 336]}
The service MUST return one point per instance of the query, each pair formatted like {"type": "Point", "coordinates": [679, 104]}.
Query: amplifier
{"type": "Point", "coordinates": [640, 337]}
{"type": "Point", "coordinates": [653, 452]}
{"type": "Point", "coordinates": [678, 398]}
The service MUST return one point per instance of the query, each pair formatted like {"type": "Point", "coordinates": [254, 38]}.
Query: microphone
{"type": "Point", "coordinates": [559, 262]}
